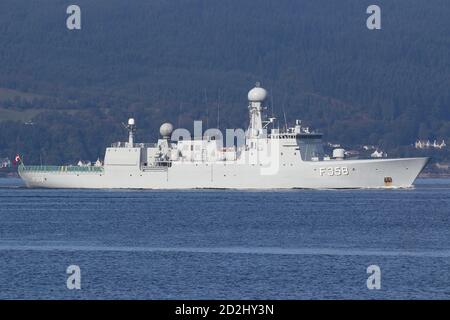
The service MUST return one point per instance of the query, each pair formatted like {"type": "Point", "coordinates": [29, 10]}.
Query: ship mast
{"type": "Point", "coordinates": [131, 127]}
{"type": "Point", "coordinates": [255, 97]}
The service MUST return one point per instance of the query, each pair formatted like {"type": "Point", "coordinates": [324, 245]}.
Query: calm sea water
{"type": "Point", "coordinates": [298, 244]}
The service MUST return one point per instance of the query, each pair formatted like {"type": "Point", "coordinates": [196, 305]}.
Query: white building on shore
{"type": "Point", "coordinates": [427, 144]}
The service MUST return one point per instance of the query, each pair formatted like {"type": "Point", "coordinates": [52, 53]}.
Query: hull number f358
{"type": "Point", "coordinates": [334, 171]}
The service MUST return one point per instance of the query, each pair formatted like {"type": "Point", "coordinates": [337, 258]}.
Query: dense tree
{"type": "Point", "coordinates": [182, 60]}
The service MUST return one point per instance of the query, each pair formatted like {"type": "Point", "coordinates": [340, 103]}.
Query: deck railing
{"type": "Point", "coordinates": [135, 145]}
{"type": "Point", "coordinates": [24, 168]}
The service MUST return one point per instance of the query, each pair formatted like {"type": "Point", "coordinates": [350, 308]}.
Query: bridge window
{"type": "Point", "coordinates": [311, 149]}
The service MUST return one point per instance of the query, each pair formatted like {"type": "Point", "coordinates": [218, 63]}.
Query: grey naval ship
{"type": "Point", "coordinates": [267, 158]}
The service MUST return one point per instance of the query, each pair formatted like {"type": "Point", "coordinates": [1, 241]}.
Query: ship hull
{"type": "Point", "coordinates": [334, 174]}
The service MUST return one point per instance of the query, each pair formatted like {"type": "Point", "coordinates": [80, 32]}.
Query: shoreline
{"type": "Point", "coordinates": [426, 175]}
{"type": "Point", "coordinates": [432, 175]}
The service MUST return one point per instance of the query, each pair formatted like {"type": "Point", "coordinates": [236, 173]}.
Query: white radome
{"type": "Point", "coordinates": [257, 94]}
{"type": "Point", "coordinates": [166, 129]}
{"type": "Point", "coordinates": [131, 122]}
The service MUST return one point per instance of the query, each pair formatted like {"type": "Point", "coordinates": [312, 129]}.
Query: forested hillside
{"type": "Point", "coordinates": [64, 94]}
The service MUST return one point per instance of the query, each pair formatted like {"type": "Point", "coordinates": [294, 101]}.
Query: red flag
{"type": "Point", "coordinates": [16, 159]}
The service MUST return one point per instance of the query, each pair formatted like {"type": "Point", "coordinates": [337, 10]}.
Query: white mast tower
{"type": "Point", "coordinates": [131, 130]}
{"type": "Point", "coordinates": [255, 97]}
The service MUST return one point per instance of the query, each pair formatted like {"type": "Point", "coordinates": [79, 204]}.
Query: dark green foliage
{"type": "Point", "coordinates": [177, 60]}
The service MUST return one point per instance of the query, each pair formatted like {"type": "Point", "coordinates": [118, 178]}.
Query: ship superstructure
{"type": "Point", "coordinates": [261, 157]}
